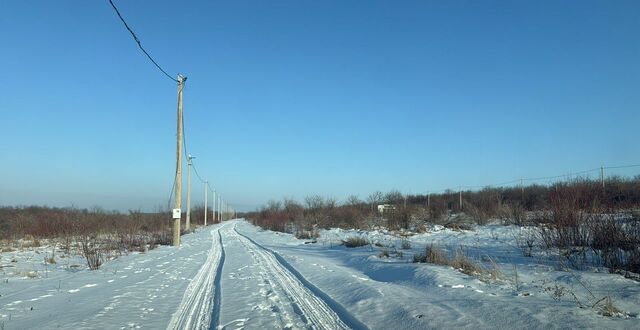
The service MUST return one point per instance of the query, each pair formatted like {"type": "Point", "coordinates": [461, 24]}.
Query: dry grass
{"type": "Point", "coordinates": [609, 310]}
{"type": "Point", "coordinates": [494, 271]}
{"type": "Point", "coordinates": [30, 274]}
{"type": "Point", "coordinates": [436, 256]}
{"type": "Point", "coordinates": [352, 242]}
{"type": "Point", "coordinates": [462, 262]}
{"type": "Point", "coordinates": [433, 255]}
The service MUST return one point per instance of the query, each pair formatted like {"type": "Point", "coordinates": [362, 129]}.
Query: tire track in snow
{"type": "Point", "coordinates": [305, 299]}
{"type": "Point", "coordinates": [215, 320]}
{"type": "Point", "coordinates": [196, 308]}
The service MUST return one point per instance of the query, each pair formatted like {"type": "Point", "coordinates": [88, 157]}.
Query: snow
{"type": "Point", "coordinates": [234, 275]}
{"type": "Point", "coordinates": [137, 290]}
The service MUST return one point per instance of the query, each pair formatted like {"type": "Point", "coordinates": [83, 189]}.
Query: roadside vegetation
{"type": "Point", "coordinates": [581, 221]}
{"type": "Point", "coordinates": [94, 234]}
{"type": "Point", "coordinates": [573, 228]}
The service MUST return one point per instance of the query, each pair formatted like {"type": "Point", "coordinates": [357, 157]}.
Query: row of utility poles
{"type": "Point", "coordinates": [602, 182]}
{"type": "Point", "coordinates": [221, 210]}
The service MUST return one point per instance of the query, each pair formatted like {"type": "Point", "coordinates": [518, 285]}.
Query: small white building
{"type": "Point", "coordinates": [384, 208]}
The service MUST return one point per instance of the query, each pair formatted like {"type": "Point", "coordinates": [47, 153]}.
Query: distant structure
{"type": "Point", "coordinates": [384, 208]}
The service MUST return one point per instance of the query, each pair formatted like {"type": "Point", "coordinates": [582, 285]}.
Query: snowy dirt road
{"type": "Point", "coordinates": [195, 309]}
{"type": "Point", "coordinates": [292, 302]}
{"type": "Point", "coordinates": [289, 299]}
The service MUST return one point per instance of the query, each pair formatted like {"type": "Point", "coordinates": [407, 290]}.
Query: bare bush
{"type": "Point", "coordinates": [406, 244]}
{"type": "Point", "coordinates": [384, 253]}
{"type": "Point", "coordinates": [617, 243]}
{"type": "Point", "coordinates": [511, 214]}
{"type": "Point", "coordinates": [91, 252]}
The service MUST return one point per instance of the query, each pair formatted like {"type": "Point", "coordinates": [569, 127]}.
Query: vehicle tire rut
{"type": "Point", "coordinates": [313, 307]}
{"type": "Point", "coordinates": [198, 304]}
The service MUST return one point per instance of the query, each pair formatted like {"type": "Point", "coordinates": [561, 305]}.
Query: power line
{"type": "Point", "coordinates": [184, 138]}
{"type": "Point", "coordinates": [138, 42]}
{"type": "Point", "coordinates": [535, 179]}
{"type": "Point", "coordinates": [186, 152]}
{"type": "Point", "coordinates": [625, 166]}
{"type": "Point", "coordinates": [196, 171]}
{"type": "Point", "coordinates": [560, 176]}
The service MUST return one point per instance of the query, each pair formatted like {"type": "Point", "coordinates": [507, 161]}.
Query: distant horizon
{"type": "Point", "coordinates": [243, 209]}
{"type": "Point", "coordinates": [312, 98]}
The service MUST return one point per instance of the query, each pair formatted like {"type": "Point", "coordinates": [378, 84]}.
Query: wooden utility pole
{"type": "Point", "coordinates": [206, 187]}
{"type": "Point", "coordinates": [214, 206]}
{"type": "Point", "coordinates": [602, 177]}
{"type": "Point", "coordinates": [460, 196]}
{"type": "Point", "coordinates": [189, 163]}
{"type": "Point", "coordinates": [178, 202]}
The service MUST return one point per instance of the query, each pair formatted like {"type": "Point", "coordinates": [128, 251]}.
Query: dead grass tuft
{"type": "Point", "coordinates": [352, 242]}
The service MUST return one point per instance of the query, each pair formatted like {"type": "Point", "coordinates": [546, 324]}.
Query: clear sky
{"type": "Point", "coordinates": [293, 98]}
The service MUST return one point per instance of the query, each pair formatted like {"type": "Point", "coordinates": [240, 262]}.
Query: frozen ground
{"type": "Point", "coordinates": [234, 275]}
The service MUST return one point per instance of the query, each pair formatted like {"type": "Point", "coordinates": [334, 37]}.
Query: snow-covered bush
{"type": "Point", "coordinates": [355, 241]}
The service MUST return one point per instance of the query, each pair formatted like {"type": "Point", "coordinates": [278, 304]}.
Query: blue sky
{"type": "Point", "coordinates": [294, 98]}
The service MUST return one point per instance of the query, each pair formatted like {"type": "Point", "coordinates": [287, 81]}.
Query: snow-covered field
{"type": "Point", "coordinates": [234, 275]}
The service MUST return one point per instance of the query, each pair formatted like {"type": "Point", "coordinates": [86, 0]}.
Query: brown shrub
{"type": "Point", "coordinates": [462, 262]}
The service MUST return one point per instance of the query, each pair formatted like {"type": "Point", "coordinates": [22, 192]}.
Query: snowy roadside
{"type": "Point", "coordinates": [392, 293]}
{"type": "Point", "coordinates": [133, 291]}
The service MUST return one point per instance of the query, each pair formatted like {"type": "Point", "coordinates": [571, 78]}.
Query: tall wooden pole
{"type": "Point", "coordinates": [178, 202]}
{"type": "Point", "coordinates": [206, 199]}
{"type": "Point", "coordinates": [602, 177]}
{"type": "Point", "coordinates": [187, 224]}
